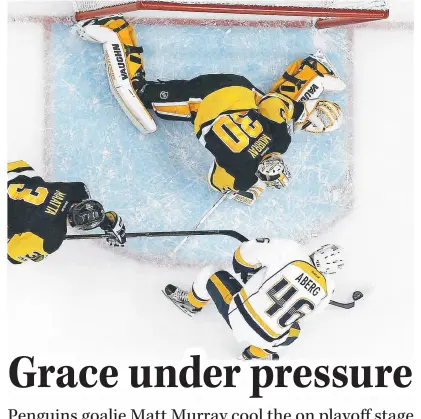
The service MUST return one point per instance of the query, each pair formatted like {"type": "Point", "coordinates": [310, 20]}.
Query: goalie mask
{"type": "Point", "coordinates": [86, 215]}
{"type": "Point", "coordinates": [328, 259]}
{"type": "Point", "coordinates": [273, 172]}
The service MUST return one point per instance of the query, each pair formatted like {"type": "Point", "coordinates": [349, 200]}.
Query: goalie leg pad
{"type": "Point", "coordinates": [122, 89]}
{"type": "Point", "coordinates": [123, 62]}
{"type": "Point", "coordinates": [307, 79]}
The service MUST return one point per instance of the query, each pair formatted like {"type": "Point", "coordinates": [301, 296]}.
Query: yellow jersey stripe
{"type": "Point", "coordinates": [226, 99]}
{"type": "Point", "coordinates": [256, 317]}
{"type": "Point", "coordinates": [223, 290]}
{"type": "Point", "coordinates": [20, 164]}
{"type": "Point", "coordinates": [220, 179]}
{"type": "Point", "coordinates": [21, 245]}
{"type": "Point", "coordinates": [312, 272]}
{"type": "Point", "coordinates": [241, 261]}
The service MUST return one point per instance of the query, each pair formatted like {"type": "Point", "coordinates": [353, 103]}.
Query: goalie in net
{"type": "Point", "coordinates": [246, 130]}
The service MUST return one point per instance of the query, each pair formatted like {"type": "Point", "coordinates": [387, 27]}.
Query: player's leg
{"type": "Point", "coordinates": [254, 352]}
{"type": "Point", "coordinates": [123, 61]}
{"type": "Point", "coordinates": [210, 284]}
{"type": "Point", "coordinates": [180, 99]}
{"type": "Point", "coordinates": [221, 287]}
{"type": "Point", "coordinates": [307, 78]}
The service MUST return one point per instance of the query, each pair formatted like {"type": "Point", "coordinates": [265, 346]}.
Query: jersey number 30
{"type": "Point", "coordinates": [236, 130]}
{"type": "Point", "coordinates": [18, 192]}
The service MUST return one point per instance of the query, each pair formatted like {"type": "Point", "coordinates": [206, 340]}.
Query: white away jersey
{"type": "Point", "coordinates": [287, 288]}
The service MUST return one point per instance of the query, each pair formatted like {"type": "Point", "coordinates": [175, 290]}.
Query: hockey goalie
{"type": "Point", "coordinates": [246, 131]}
{"type": "Point", "coordinates": [273, 286]}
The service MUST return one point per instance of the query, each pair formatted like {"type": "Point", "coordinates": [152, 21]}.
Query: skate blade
{"type": "Point", "coordinates": [179, 307]}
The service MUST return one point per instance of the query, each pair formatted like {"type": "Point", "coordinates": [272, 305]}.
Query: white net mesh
{"type": "Point", "coordinates": [88, 5]}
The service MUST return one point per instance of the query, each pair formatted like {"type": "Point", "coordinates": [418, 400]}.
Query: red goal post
{"type": "Point", "coordinates": [325, 13]}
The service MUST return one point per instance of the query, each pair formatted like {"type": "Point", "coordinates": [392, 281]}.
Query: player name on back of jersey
{"type": "Point", "coordinates": [55, 203]}
{"type": "Point", "coordinates": [312, 287]}
{"type": "Point", "coordinates": [256, 149]}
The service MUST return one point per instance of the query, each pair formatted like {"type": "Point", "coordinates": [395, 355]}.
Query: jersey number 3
{"type": "Point", "coordinates": [236, 130]}
{"type": "Point", "coordinates": [18, 192]}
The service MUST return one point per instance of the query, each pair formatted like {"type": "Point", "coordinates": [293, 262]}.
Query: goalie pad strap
{"type": "Point", "coordinates": [294, 80]}
{"type": "Point", "coordinates": [132, 49]}
{"type": "Point", "coordinates": [120, 28]}
{"type": "Point", "coordinates": [135, 59]}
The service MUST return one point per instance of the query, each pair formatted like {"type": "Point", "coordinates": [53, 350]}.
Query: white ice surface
{"type": "Point", "coordinates": [86, 303]}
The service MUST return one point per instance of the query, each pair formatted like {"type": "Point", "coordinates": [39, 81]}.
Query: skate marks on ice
{"type": "Point", "coordinates": [158, 182]}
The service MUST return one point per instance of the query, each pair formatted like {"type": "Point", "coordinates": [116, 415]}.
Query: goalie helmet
{"type": "Point", "coordinates": [328, 259]}
{"type": "Point", "coordinates": [86, 215]}
{"type": "Point", "coordinates": [273, 172]}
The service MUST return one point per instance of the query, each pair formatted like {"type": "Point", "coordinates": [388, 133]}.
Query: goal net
{"type": "Point", "coordinates": [324, 13]}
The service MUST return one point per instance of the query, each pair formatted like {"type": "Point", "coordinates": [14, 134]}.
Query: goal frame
{"type": "Point", "coordinates": [324, 17]}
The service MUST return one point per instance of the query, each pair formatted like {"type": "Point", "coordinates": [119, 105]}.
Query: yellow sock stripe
{"type": "Point", "coordinates": [256, 317]}
{"type": "Point", "coordinates": [20, 164]}
{"type": "Point", "coordinates": [259, 353]}
{"type": "Point", "coordinates": [223, 290]}
{"type": "Point", "coordinates": [241, 261]}
{"type": "Point", "coordinates": [294, 333]}
{"type": "Point", "coordinates": [194, 301]}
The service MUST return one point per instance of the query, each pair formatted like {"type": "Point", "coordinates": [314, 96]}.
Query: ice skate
{"type": "Point", "coordinates": [179, 298]}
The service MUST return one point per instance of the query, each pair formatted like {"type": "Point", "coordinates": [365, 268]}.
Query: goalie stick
{"type": "Point", "coordinates": [202, 220]}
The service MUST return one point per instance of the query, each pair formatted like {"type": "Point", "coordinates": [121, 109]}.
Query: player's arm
{"type": "Point", "coordinates": [21, 172]}
{"type": "Point", "coordinates": [330, 287]}
{"type": "Point", "coordinates": [26, 246]}
{"type": "Point", "coordinates": [281, 111]}
{"type": "Point", "coordinates": [248, 258]}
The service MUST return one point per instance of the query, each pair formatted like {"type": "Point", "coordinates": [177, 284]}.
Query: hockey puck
{"type": "Point", "coordinates": [357, 295]}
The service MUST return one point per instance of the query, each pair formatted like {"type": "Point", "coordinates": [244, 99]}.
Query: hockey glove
{"type": "Point", "coordinates": [114, 228]}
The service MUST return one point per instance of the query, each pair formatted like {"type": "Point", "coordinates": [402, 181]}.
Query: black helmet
{"type": "Point", "coordinates": [86, 215]}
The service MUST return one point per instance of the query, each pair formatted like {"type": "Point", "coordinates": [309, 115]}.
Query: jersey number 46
{"type": "Point", "coordinates": [287, 311]}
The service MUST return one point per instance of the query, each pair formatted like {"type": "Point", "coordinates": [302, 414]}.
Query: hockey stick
{"type": "Point", "coordinates": [357, 295]}
{"type": "Point", "coordinates": [201, 221]}
{"type": "Point", "coordinates": [230, 233]}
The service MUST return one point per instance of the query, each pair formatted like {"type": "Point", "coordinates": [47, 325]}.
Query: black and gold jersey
{"type": "Point", "coordinates": [37, 212]}
{"type": "Point", "coordinates": [239, 126]}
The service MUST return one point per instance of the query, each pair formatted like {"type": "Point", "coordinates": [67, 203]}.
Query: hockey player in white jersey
{"type": "Point", "coordinates": [275, 283]}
